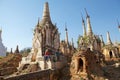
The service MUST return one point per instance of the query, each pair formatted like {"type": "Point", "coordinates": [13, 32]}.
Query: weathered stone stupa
{"type": "Point", "coordinates": [46, 38]}
{"type": "Point", "coordinates": [2, 47]}
{"type": "Point", "coordinates": [110, 50]}
{"type": "Point", "coordinates": [89, 39]}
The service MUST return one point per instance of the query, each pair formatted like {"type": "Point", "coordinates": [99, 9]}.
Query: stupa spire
{"type": "Point", "coordinates": [38, 21]}
{"type": "Point", "coordinates": [118, 24]}
{"type": "Point", "coordinates": [108, 38]}
{"type": "Point", "coordinates": [101, 38]}
{"type": "Point", "coordinates": [46, 13]}
{"type": "Point", "coordinates": [72, 43]}
{"type": "Point", "coordinates": [2, 47]}
{"type": "Point", "coordinates": [84, 28]}
{"type": "Point", "coordinates": [17, 49]}
{"type": "Point", "coordinates": [102, 41]}
{"type": "Point", "coordinates": [86, 13]}
{"type": "Point", "coordinates": [66, 37]}
{"type": "Point", "coordinates": [89, 28]}
{"type": "Point", "coordinates": [11, 51]}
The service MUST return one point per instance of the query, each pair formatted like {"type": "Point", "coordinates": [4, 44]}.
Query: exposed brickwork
{"type": "Point", "coordinates": [84, 63]}
{"type": "Point", "coordinates": [7, 71]}
{"type": "Point", "coordinates": [39, 75]}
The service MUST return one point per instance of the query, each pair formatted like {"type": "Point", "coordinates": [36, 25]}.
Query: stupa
{"type": "Point", "coordinates": [46, 40]}
{"type": "Point", "coordinates": [2, 47]}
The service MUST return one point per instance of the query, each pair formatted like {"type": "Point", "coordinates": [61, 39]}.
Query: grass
{"type": "Point", "coordinates": [1, 57]}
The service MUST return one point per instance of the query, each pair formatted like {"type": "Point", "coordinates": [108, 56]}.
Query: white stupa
{"type": "Point", "coordinates": [2, 47]}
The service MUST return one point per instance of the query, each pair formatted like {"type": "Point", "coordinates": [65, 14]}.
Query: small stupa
{"type": "Point", "coordinates": [2, 47]}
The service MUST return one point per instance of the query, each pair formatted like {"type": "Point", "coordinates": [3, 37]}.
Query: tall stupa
{"type": "Point", "coordinates": [46, 38]}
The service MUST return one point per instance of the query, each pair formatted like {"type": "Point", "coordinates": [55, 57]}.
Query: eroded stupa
{"type": "Point", "coordinates": [45, 46]}
{"type": "Point", "coordinates": [2, 47]}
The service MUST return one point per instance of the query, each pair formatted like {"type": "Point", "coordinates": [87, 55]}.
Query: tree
{"type": "Point", "coordinates": [25, 51]}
